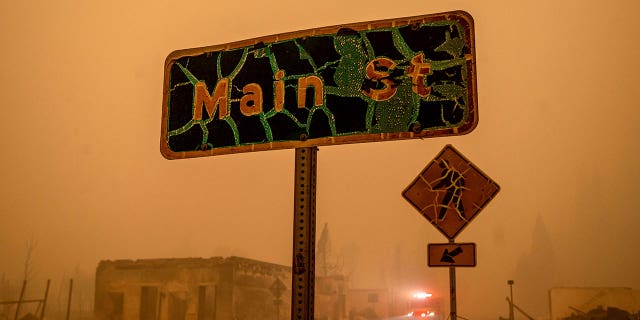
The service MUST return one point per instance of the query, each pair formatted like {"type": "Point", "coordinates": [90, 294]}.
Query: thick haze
{"type": "Point", "coordinates": [558, 100]}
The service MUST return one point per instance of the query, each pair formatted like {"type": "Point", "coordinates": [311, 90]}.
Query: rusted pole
{"type": "Point", "coordinates": [527, 315]}
{"type": "Point", "coordinates": [24, 285]}
{"type": "Point", "coordinates": [44, 300]}
{"type": "Point", "coordinates": [511, 314]}
{"type": "Point", "coordinates": [69, 300]}
{"type": "Point", "coordinates": [452, 290]}
{"type": "Point", "coordinates": [304, 234]}
{"type": "Point", "coordinates": [160, 300]}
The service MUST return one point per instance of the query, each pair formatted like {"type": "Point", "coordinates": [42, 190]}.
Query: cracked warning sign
{"type": "Point", "coordinates": [450, 191]}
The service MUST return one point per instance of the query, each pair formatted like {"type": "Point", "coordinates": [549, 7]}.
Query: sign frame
{"type": "Point", "coordinates": [303, 140]}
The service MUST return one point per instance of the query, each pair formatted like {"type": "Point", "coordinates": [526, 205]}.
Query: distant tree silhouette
{"type": "Point", "coordinates": [29, 269]}
{"type": "Point", "coordinates": [536, 273]}
{"type": "Point", "coordinates": [325, 262]}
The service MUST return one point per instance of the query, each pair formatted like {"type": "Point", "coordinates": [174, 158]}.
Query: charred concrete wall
{"type": "Point", "coordinates": [576, 301]}
{"type": "Point", "coordinates": [254, 293]}
{"type": "Point", "coordinates": [191, 289]}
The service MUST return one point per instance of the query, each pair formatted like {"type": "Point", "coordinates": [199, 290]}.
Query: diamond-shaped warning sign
{"type": "Point", "coordinates": [277, 288]}
{"type": "Point", "coordinates": [450, 191]}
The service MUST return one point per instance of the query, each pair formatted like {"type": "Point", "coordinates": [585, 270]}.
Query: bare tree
{"type": "Point", "coordinates": [29, 269]}
{"type": "Point", "coordinates": [27, 274]}
{"type": "Point", "coordinates": [5, 295]}
{"type": "Point", "coordinates": [326, 263]}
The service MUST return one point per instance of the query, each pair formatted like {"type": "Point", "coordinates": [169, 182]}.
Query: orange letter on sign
{"type": "Point", "coordinates": [252, 93]}
{"type": "Point", "coordinates": [390, 87]}
{"type": "Point", "coordinates": [318, 90]}
{"type": "Point", "coordinates": [201, 96]}
{"type": "Point", "coordinates": [279, 96]}
{"type": "Point", "coordinates": [417, 71]}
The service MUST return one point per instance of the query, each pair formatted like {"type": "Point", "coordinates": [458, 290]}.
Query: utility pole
{"type": "Point", "coordinates": [511, 314]}
{"type": "Point", "coordinates": [523, 312]}
{"type": "Point", "coordinates": [24, 285]}
{"type": "Point", "coordinates": [69, 299]}
{"type": "Point", "coordinates": [453, 309]}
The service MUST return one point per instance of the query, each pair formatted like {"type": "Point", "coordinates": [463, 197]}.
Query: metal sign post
{"type": "Point", "coordinates": [452, 292]}
{"type": "Point", "coordinates": [304, 234]}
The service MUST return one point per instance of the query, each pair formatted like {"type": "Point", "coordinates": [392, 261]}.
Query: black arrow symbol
{"type": "Point", "coordinates": [448, 256]}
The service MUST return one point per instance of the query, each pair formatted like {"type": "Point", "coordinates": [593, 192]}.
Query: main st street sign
{"type": "Point", "coordinates": [383, 80]}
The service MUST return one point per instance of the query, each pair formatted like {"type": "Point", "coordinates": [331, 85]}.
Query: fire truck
{"type": "Point", "coordinates": [424, 306]}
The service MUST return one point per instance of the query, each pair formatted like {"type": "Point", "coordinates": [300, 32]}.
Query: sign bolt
{"type": "Point", "coordinates": [416, 127]}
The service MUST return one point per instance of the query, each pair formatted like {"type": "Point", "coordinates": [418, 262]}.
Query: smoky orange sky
{"type": "Point", "coordinates": [82, 175]}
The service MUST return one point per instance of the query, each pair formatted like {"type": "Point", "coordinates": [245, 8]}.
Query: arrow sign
{"type": "Point", "coordinates": [452, 254]}
{"type": "Point", "coordinates": [448, 256]}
